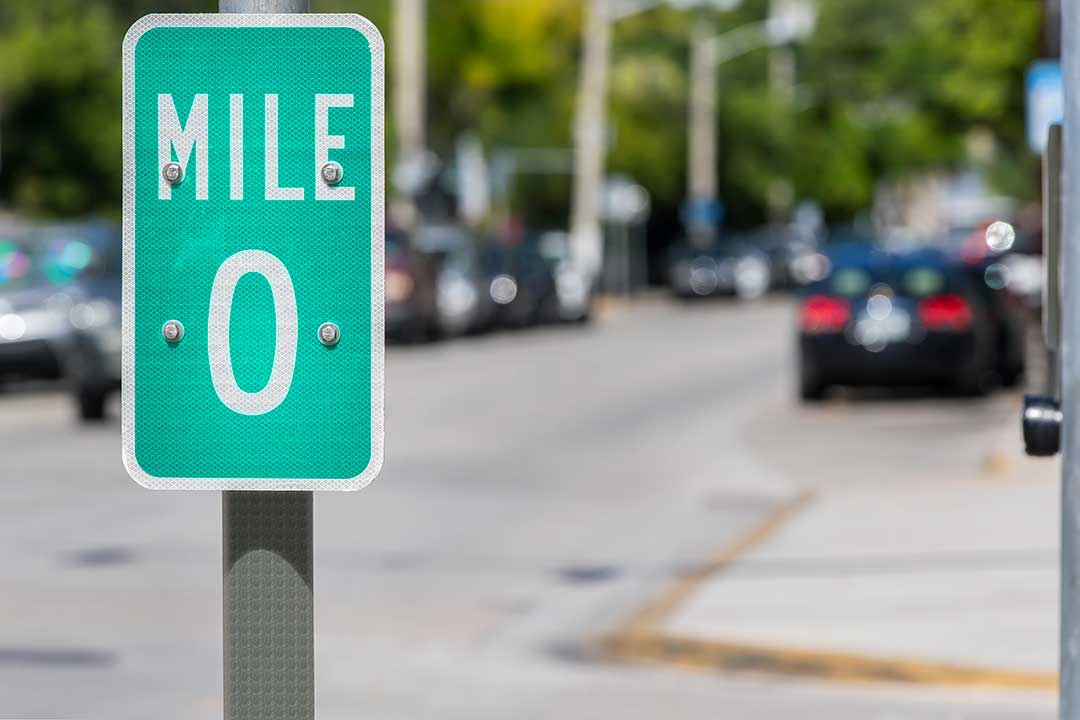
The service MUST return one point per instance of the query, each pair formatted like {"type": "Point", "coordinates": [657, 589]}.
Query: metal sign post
{"type": "Point", "coordinates": [253, 300]}
{"type": "Point", "coordinates": [1042, 416]}
{"type": "Point", "coordinates": [269, 606]}
{"type": "Point", "coordinates": [1070, 375]}
{"type": "Point", "coordinates": [1052, 192]}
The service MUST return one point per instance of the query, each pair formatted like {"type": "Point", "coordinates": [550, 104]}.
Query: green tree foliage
{"type": "Point", "coordinates": [885, 89]}
{"type": "Point", "coordinates": [59, 107]}
{"type": "Point", "coordinates": [894, 88]}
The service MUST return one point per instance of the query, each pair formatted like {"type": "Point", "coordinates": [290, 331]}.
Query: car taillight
{"type": "Point", "coordinates": [945, 312]}
{"type": "Point", "coordinates": [823, 314]}
{"type": "Point", "coordinates": [399, 285]}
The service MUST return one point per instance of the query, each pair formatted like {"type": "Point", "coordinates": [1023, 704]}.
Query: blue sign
{"type": "Point", "coordinates": [702, 213]}
{"type": "Point", "coordinates": [1045, 101]}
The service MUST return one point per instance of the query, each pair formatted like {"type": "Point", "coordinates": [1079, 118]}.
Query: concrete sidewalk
{"type": "Point", "coordinates": [950, 583]}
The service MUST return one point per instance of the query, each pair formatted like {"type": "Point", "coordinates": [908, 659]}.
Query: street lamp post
{"type": "Point", "coordinates": [790, 20]}
{"type": "Point", "coordinates": [701, 156]}
{"type": "Point", "coordinates": [410, 89]}
{"type": "Point", "coordinates": [590, 136]}
{"type": "Point", "coordinates": [590, 140]}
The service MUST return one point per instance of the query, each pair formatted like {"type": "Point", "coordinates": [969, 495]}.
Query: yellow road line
{"type": "Point", "coordinates": [653, 615]}
{"type": "Point", "coordinates": [642, 639]}
{"type": "Point", "coordinates": [696, 654]}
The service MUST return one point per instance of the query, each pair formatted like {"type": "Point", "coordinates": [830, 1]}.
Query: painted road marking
{"type": "Point", "coordinates": [643, 639]}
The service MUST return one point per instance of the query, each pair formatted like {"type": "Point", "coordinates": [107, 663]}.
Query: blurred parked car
{"type": "Point", "coordinates": [920, 318]}
{"type": "Point", "coordinates": [60, 289]}
{"type": "Point", "coordinates": [95, 290]}
{"type": "Point", "coordinates": [572, 287]}
{"type": "Point", "coordinates": [522, 285]}
{"type": "Point", "coordinates": [1018, 270]}
{"type": "Point", "coordinates": [793, 257]}
{"type": "Point", "coordinates": [29, 330]}
{"type": "Point", "coordinates": [463, 302]}
{"type": "Point", "coordinates": [411, 279]}
{"type": "Point", "coordinates": [731, 266]}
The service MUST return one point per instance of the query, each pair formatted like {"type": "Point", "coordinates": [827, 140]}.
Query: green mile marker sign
{"type": "Point", "coordinates": [253, 252]}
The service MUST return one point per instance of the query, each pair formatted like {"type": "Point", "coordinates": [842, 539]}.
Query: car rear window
{"type": "Point", "coordinates": [923, 281]}
{"type": "Point", "coordinates": [912, 280]}
{"type": "Point", "coordinates": [850, 282]}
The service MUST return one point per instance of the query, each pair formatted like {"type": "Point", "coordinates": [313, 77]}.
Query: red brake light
{"type": "Point", "coordinates": [945, 312]}
{"type": "Point", "coordinates": [824, 314]}
{"type": "Point", "coordinates": [399, 285]}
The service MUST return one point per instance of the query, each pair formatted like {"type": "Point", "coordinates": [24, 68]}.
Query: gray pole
{"type": "Point", "coordinates": [1052, 176]}
{"type": "Point", "coordinates": [702, 164]}
{"type": "Point", "coordinates": [590, 139]}
{"type": "Point", "coordinates": [1070, 375]}
{"type": "Point", "coordinates": [410, 94]}
{"type": "Point", "coordinates": [263, 6]}
{"type": "Point", "coordinates": [269, 610]}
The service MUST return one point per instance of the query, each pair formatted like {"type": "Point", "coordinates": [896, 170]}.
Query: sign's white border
{"type": "Point", "coordinates": [375, 42]}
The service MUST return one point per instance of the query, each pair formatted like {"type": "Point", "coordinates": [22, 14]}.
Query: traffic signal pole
{"type": "Point", "coordinates": [267, 575]}
{"type": "Point", "coordinates": [1070, 374]}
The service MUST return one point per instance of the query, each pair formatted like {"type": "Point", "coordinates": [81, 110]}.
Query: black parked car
{"type": "Point", "coordinates": [463, 301]}
{"type": "Point", "coordinates": [792, 256]}
{"type": "Point", "coordinates": [411, 280]}
{"type": "Point", "coordinates": [730, 266]}
{"type": "Point", "coordinates": [573, 289]}
{"type": "Point", "coordinates": [522, 285]}
{"type": "Point", "coordinates": [915, 318]}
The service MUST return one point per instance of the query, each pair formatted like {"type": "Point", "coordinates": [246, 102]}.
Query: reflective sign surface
{"type": "Point", "coordinates": [253, 221]}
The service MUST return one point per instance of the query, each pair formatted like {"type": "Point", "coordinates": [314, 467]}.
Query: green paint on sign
{"type": "Point", "coordinates": [212, 92]}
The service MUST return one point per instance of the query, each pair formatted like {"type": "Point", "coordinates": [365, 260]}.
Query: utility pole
{"type": "Point", "coordinates": [782, 73]}
{"type": "Point", "coordinates": [782, 66]}
{"type": "Point", "coordinates": [410, 91]}
{"type": "Point", "coordinates": [1069, 682]}
{"type": "Point", "coordinates": [590, 139]}
{"type": "Point", "coordinates": [789, 20]}
{"type": "Point", "coordinates": [702, 160]}
{"type": "Point", "coordinates": [267, 573]}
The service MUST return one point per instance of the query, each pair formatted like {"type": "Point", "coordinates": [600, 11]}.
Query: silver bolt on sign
{"type": "Point", "coordinates": [332, 173]}
{"type": "Point", "coordinates": [173, 173]}
{"type": "Point", "coordinates": [329, 334]}
{"type": "Point", "coordinates": [172, 331]}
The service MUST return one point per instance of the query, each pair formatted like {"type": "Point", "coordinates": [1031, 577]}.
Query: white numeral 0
{"type": "Point", "coordinates": [221, 299]}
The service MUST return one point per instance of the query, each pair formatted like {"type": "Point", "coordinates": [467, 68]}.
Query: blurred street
{"type": "Point", "coordinates": [540, 489]}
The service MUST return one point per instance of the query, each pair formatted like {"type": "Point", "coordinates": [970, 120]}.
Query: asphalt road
{"type": "Point", "coordinates": [538, 489]}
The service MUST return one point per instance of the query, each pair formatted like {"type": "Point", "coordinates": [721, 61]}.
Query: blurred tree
{"type": "Point", "coordinates": [885, 89]}
{"type": "Point", "coordinates": [894, 88]}
{"type": "Point", "coordinates": [59, 107]}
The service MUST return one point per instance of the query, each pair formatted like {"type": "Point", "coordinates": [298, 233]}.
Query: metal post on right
{"type": "Point", "coordinates": [1052, 189]}
{"type": "Point", "coordinates": [1069, 682]}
